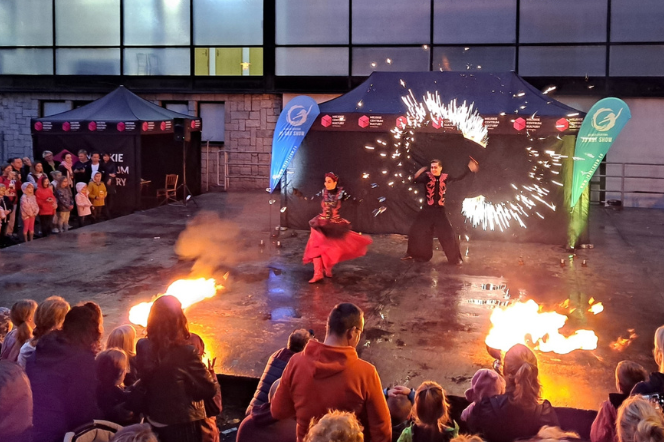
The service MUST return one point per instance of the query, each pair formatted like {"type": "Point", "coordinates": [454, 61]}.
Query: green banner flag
{"type": "Point", "coordinates": [599, 130]}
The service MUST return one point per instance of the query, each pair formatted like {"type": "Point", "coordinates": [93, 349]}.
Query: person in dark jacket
{"type": "Point", "coordinates": [81, 168]}
{"type": "Point", "coordinates": [260, 425]}
{"type": "Point", "coordinates": [276, 364]}
{"type": "Point", "coordinates": [113, 399]}
{"type": "Point", "coordinates": [62, 374]}
{"type": "Point", "coordinates": [16, 404]}
{"type": "Point", "coordinates": [655, 383]}
{"type": "Point", "coordinates": [520, 412]}
{"type": "Point", "coordinates": [49, 164]}
{"type": "Point", "coordinates": [175, 380]}
{"type": "Point", "coordinates": [109, 171]}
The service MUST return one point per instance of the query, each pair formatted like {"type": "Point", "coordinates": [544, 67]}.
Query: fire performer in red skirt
{"type": "Point", "coordinates": [433, 218]}
{"type": "Point", "coordinates": [331, 240]}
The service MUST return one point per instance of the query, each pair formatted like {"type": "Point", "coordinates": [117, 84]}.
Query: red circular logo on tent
{"type": "Point", "coordinates": [519, 124]}
{"type": "Point", "coordinates": [145, 126]}
{"type": "Point", "coordinates": [92, 126]}
{"type": "Point", "coordinates": [39, 126]}
{"type": "Point", "coordinates": [326, 121]}
{"type": "Point", "coordinates": [121, 126]}
{"type": "Point", "coordinates": [562, 125]}
{"type": "Point", "coordinates": [192, 124]}
{"type": "Point", "coordinates": [66, 126]}
{"type": "Point", "coordinates": [363, 121]}
{"type": "Point", "coordinates": [402, 122]}
{"type": "Point", "coordinates": [162, 126]}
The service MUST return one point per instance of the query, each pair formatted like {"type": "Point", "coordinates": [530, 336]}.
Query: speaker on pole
{"type": "Point", "coordinates": [179, 129]}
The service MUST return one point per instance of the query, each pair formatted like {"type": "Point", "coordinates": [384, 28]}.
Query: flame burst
{"type": "Point", "coordinates": [525, 321]}
{"type": "Point", "coordinates": [187, 291]}
{"type": "Point", "coordinates": [621, 343]}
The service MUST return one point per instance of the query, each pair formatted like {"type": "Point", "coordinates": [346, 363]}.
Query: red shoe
{"type": "Point", "coordinates": [318, 271]}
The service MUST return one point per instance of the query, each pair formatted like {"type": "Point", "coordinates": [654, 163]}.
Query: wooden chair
{"type": "Point", "coordinates": [169, 192]}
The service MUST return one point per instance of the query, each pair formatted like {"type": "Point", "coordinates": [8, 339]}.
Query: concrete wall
{"type": "Point", "coordinates": [250, 120]}
{"type": "Point", "coordinates": [640, 142]}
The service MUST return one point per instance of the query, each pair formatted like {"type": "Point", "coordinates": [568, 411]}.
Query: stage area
{"type": "Point", "coordinates": [423, 321]}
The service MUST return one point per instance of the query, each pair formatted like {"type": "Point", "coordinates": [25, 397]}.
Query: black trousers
{"type": "Point", "coordinates": [432, 220]}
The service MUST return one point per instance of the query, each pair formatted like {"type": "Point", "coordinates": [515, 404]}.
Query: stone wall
{"type": "Point", "coordinates": [250, 120]}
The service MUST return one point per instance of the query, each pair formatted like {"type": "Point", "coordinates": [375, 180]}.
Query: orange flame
{"type": "Point", "coordinates": [524, 321]}
{"type": "Point", "coordinates": [596, 308]}
{"type": "Point", "coordinates": [622, 343]}
{"type": "Point", "coordinates": [187, 291]}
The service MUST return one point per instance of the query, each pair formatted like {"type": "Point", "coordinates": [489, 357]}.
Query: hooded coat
{"type": "Point", "coordinates": [83, 203]}
{"type": "Point", "coordinates": [63, 383]}
{"type": "Point", "coordinates": [325, 377]}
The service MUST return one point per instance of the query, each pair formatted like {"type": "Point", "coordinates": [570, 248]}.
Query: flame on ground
{"type": "Point", "coordinates": [187, 291]}
{"type": "Point", "coordinates": [622, 343]}
{"type": "Point", "coordinates": [524, 321]}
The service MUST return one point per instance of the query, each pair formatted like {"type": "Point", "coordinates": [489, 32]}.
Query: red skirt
{"type": "Point", "coordinates": [351, 245]}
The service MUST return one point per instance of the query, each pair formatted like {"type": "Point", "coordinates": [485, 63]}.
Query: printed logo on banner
{"type": "Point", "coordinates": [519, 124]}
{"type": "Point", "coordinates": [363, 121]}
{"type": "Point", "coordinates": [297, 115]}
{"type": "Point", "coordinates": [326, 121]}
{"type": "Point", "coordinates": [437, 122]}
{"type": "Point", "coordinates": [402, 122]}
{"type": "Point", "coordinates": [562, 125]}
{"type": "Point", "coordinates": [66, 126]}
{"type": "Point", "coordinates": [604, 119]}
{"type": "Point", "coordinates": [491, 123]}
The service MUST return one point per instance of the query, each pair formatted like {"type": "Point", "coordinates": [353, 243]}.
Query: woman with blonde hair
{"type": "Point", "coordinates": [124, 338]}
{"type": "Point", "coordinates": [335, 426]}
{"type": "Point", "coordinates": [655, 383]}
{"type": "Point", "coordinates": [520, 412]}
{"type": "Point", "coordinates": [23, 317]}
{"type": "Point", "coordinates": [639, 421]}
{"type": "Point", "coordinates": [431, 416]}
{"type": "Point", "coordinates": [49, 316]}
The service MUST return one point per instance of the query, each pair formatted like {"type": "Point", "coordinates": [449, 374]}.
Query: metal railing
{"type": "Point", "coordinates": [225, 165]}
{"type": "Point", "coordinates": [596, 187]}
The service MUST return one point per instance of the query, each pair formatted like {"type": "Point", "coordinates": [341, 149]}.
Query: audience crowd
{"type": "Point", "coordinates": [41, 198]}
{"type": "Point", "coordinates": [57, 380]}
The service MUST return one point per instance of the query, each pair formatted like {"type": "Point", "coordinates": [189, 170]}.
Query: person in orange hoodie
{"type": "Point", "coordinates": [330, 376]}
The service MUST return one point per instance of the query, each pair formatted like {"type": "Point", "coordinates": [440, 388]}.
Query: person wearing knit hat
{"type": "Point", "coordinates": [29, 210]}
{"type": "Point", "coordinates": [485, 383]}
{"type": "Point", "coordinates": [83, 204]}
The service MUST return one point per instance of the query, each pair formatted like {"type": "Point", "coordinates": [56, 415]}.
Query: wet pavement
{"type": "Point", "coordinates": [423, 321]}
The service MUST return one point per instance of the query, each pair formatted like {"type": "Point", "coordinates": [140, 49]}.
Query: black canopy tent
{"type": "Point", "coordinates": [138, 134]}
{"type": "Point", "coordinates": [354, 137]}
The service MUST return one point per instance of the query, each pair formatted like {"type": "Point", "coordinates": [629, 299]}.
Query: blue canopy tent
{"type": "Point", "coordinates": [354, 136]}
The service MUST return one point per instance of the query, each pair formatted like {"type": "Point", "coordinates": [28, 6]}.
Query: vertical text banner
{"type": "Point", "coordinates": [293, 124]}
{"type": "Point", "coordinates": [599, 130]}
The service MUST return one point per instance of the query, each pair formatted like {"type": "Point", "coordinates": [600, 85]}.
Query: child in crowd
{"type": "Point", "coordinates": [29, 210]}
{"type": "Point", "coordinates": [83, 204]}
{"type": "Point", "coordinates": [65, 204]}
{"type": "Point", "coordinates": [23, 317]}
{"type": "Point", "coordinates": [5, 324]}
{"type": "Point", "coordinates": [50, 315]}
{"type": "Point", "coordinates": [112, 398]}
{"type": "Point", "coordinates": [12, 192]}
{"type": "Point", "coordinates": [400, 408]}
{"type": "Point", "coordinates": [47, 205]}
{"type": "Point", "coordinates": [431, 416]}
{"type": "Point", "coordinates": [97, 190]}
{"type": "Point", "coordinates": [213, 406]}
{"type": "Point", "coordinates": [485, 383]}
{"type": "Point", "coordinates": [628, 374]}
{"type": "Point", "coordinates": [124, 338]}
{"type": "Point", "coordinates": [341, 426]}
{"type": "Point", "coordinates": [639, 421]}
{"type": "Point", "coordinates": [6, 208]}
{"type": "Point", "coordinates": [135, 433]}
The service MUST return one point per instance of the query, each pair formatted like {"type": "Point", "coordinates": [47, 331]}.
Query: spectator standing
{"type": "Point", "coordinates": [26, 168]}
{"type": "Point", "coordinates": [49, 316]}
{"type": "Point", "coordinates": [431, 416]}
{"type": "Point", "coordinates": [639, 421]}
{"type": "Point", "coordinates": [29, 210]}
{"type": "Point", "coordinates": [520, 412]}
{"type": "Point", "coordinates": [36, 172]}
{"type": "Point", "coordinates": [23, 317]}
{"type": "Point", "coordinates": [123, 337]}
{"type": "Point", "coordinates": [655, 383]}
{"type": "Point", "coordinates": [12, 184]}
{"type": "Point", "coordinates": [67, 169]}
{"type": "Point", "coordinates": [83, 204]}
{"type": "Point", "coordinates": [95, 165]}
{"type": "Point", "coordinates": [62, 374]}
{"type": "Point", "coordinates": [65, 203]}
{"type": "Point", "coordinates": [6, 208]}
{"type": "Point", "coordinates": [330, 375]}
{"type": "Point", "coordinates": [48, 163]}
{"type": "Point", "coordinates": [336, 426]}
{"type": "Point", "coordinates": [276, 365]}
{"type": "Point", "coordinates": [260, 425]}
{"type": "Point", "coordinates": [81, 168]}
{"type": "Point", "coordinates": [5, 324]}
{"type": "Point", "coordinates": [17, 166]}
{"type": "Point", "coordinates": [97, 194]}
{"type": "Point", "coordinates": [113, 399]}
{"type": "Point", "coordinates": [109, 171]}
{"type": "Point", "coordinates": [47, 205]}
{"type": "Point", "coordinates": [15, 404]}
{"type": "Point", "coordinates": [213, 406]}
{"type": "Point", "coordinates": [176, 381]}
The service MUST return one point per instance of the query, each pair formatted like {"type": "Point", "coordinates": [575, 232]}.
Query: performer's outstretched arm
{"type": "Point", "coordinates": [473, 166]}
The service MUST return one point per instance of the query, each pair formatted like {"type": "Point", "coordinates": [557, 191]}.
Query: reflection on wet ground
{"type": "Point", "coordinates": [423, 321]}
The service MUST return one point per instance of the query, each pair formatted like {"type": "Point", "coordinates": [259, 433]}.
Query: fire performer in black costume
{"type": "Point", "coordinates": [432, 218]}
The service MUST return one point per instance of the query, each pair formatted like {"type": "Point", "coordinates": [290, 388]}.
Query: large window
{"type": "Point", "coordinates": [474, 21]}
{"type": "Point", "coordinates": [87, 23]}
